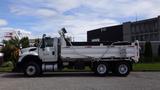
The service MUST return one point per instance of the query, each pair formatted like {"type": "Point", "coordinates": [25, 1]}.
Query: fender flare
{"type": "Point", "coordinates": [28, 58]}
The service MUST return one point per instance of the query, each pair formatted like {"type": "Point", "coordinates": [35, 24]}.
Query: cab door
{"type": "Point", "coordinates": [47, 51]}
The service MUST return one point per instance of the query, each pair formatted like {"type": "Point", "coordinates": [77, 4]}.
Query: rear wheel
{"type": "Point", "coordinates": [122, 69]}
{"type": "Point", "coordinates": [101, 69]}
{"type": "Point", "coordinates": [32, 69]}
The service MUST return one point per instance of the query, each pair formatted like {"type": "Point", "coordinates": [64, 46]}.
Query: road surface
{"type": "Point", "coordinates": [81, 81]}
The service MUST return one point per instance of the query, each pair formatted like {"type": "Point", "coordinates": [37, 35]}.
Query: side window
{"type": "Point", "coordinates": [49, 42]}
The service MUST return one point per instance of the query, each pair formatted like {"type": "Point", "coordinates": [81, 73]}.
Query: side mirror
{"type": "Point", "coordinates": [43, 44]}
{"type": "Point", "coordinates": [43, 41]}
{"type": "Point", "coordinates": [44, 35]}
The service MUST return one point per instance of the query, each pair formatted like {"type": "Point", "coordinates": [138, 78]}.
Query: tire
{"type": "Point", "coordinates": [32, 69]}
{"type": "Point", "coordinates": [101, 69]}
{"type": "Point", "coordinates": [122, 69]}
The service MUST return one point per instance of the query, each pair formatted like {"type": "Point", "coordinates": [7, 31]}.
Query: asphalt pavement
{"type": "Point", "coordinates": [80, 81]}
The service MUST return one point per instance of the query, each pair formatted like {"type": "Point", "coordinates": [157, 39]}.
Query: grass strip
{"type": "Point", "coordinates": [146, 67]}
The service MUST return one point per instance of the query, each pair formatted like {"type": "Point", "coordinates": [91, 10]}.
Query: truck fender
{"type": "Point", "coordinates": [29, 58]}
{"type": "Point", "coordinates": [22, 56]}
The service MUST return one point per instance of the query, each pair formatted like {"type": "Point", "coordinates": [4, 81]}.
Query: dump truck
{"type": "Point", "coordinates": [55, 54]}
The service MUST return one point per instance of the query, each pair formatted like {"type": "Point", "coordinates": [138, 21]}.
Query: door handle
{"type": "Point", "coordinates": [46, 53]}
{"type": "Point", "coordinates": [53, 53]}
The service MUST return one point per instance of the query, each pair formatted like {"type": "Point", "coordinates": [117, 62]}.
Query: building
{"type": "Point", "coordinates": [143, 30]}
{"type": "Point", "coordinates": [8, 34]}
{"type": "Point", "coordinates": [106, 34]}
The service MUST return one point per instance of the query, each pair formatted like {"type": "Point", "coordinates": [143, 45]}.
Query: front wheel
{"type": "Point", "coordinates": [123, 69]}
{"type": "Point", "coordinates": [101, 69]}
{"type": "Point", "coordinates": [32, 69]}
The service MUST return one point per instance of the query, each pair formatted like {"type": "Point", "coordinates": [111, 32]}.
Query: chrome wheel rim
{"type": "Point", "coordinates": [101, 69]}
{"type": "Point", "coordinates": [31, 70]}
{"type": "Point", "coordinates": [123, 69]}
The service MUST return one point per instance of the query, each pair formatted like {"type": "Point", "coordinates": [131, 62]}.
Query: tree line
{"type": "Point", "coordinates": [148, 56]}
{"type": "Point", "coordinates": [12, 47]}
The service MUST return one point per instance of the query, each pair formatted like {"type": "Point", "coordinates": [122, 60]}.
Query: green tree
{"type": "Point", "coordinates": [13, 41]}
{"type": "Point", "coordinates": [11, 50]}
{"type": "Point", "coordinates": [148, 52]}
{"type": "Point", "coordinates": [37, 41]}
{"type": "Point", "coordinates": [159, 50]}
{"type": "Point", "coordinates": [24, 42]}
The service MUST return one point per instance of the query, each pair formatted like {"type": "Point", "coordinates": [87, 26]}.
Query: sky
{"type": "Point", "coordinates": [77, 16]}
